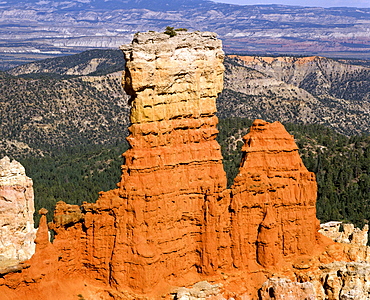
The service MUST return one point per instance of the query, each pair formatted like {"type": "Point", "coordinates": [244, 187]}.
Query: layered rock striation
{"type": "Point", "coordinates": [17, 232]}
{"type": "Point", "coordinates": [273, 200]}
{"type": "Point", "coordinates": [168, 219]}
{"type": "Point", "coordinates": [171, 221]}
{"type": "Point", "coordinates": [173, 171]}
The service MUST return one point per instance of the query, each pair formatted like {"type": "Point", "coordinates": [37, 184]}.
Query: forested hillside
{"type": "Point", "coordinates": [63, 102]}
{"type": "Point", "coordinates": [297, 90]}
{"type": "Point", "coordinates": [74, 175]}
{"type": "Point", "coordinates": [47, 114]}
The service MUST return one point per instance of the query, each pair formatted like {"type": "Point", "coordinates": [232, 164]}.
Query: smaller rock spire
{"type": "Point", "coordinates": [42, 236]}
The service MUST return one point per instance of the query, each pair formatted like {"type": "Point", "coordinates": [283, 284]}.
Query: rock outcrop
{"type": "Point", "coordinates": [345, 233]}
{"type": "Point", "coordinates": [344, 280]}
{"type": "Point", "coordinates": [200, 291]}
{"type": "Point", "coordinates": [273, 200]}
{"type": "Point", "coordinates": [17, 232]}
{"type": "Point", "coordinates": [173, 171]}
{"type": "Point", "coordinates": [171, 222]}
{"type": "Point", "coordinates": [168, 219]}
{"type": "Point", "coordinates": [296, 70]}
{"type": "Point", "coordinates": [281, 288]}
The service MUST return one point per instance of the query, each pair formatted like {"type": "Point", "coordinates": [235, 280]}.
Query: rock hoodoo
{"type": "Point", "coordinates": [273, 199]}
{"type": "Point", "coordinates": [173, 171]}
{"type": "Point", "coordinates": [171, 222]}
{"type": "Point", "coordinates": [17, 232]}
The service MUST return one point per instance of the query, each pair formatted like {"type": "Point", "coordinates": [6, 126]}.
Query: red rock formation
{"type": "Point", "coordinates": [42, 237]}
{"type": "Point", "coordinates": [171, 221]}
{"type": "Point", "coordinates": [168, 219]}
{"type": "Point", "coordinates": [268, 240]}
{"type": "Point", "coordinates": [173, 173]}
{"type": "Point", "coordinates": [273, 200]}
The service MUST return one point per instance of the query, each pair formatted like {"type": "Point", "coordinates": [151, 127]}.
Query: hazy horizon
{"type": "Point", "coordinates": [317, 3]}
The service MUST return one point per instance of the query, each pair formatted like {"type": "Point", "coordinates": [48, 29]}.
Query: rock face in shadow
{"type": "Point", "coordinates": [17, 232]}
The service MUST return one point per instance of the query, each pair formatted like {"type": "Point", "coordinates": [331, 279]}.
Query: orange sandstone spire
{"type": "Point", "coordinates": [273, 200]}
{"type": "Point", "coordinates": [174, 166]}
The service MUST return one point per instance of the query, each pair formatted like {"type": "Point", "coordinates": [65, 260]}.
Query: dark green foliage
{"type": "Point", "coordinates": [230, 135]}
{"type": "Point", "coordinates": [170, 31]}
{"type": "Point", "coordinates": [74, 175]}
{"type": "Point", "coordinates": [342, 166]}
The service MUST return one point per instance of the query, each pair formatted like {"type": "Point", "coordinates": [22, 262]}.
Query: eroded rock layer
{"type": "Point", "coordinates": [174, 167]}
{"type": "Point", "coordinates": [17, 232]}
{"type": "Point", "coordinates": [279, 289]}
{"type": "Point", "coordinates": [171, 221]}
{"type": "Point", "coordinates": [345, 233]}
{"type": "Point", "coordinates": [168, 217]}
{"type": "Point", "coordinates": [273, 199]}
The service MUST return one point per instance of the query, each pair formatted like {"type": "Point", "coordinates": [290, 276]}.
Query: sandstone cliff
{"type": "Point", "coordinates": [171, 221]}
{"type": "Point", "coordinates": [17, 232]}
{"type": "Point", "coordinates": [167, 222]}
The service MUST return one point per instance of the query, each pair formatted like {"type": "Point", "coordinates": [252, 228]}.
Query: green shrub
{"type": "Point", "coordinates": [170, 31]}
